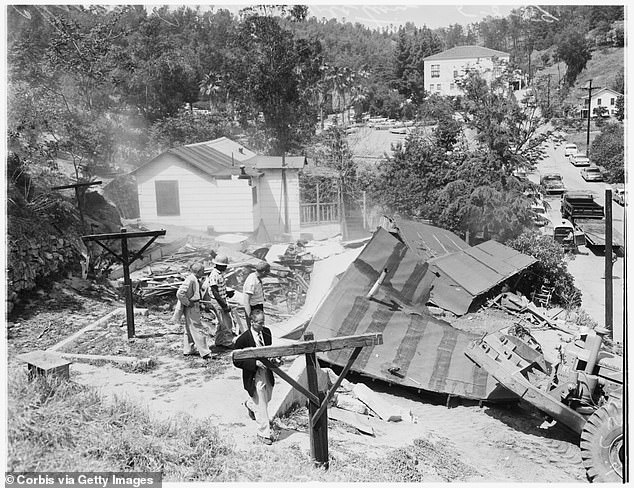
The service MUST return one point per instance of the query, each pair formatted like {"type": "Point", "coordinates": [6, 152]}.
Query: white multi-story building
{"type": "Point", "coordinates": [443, 70]}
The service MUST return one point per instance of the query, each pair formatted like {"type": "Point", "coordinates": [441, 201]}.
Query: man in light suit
{"type": "Point", "coordinates": [258, 380]}
{"type": "Point", "coordinates": [189, 295]}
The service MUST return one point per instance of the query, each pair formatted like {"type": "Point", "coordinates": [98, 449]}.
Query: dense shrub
{"type": "Point", "coordinates": [551, 268]}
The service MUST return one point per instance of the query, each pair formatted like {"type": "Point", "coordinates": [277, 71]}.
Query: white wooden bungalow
{"type": "Point", "coordinates": [221, 186]}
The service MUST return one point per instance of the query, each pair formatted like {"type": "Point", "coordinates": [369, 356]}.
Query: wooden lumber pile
{"type": "Point", "coordinates": [529, 312]}
{"type": "Point", "coordinates": [284, 289]}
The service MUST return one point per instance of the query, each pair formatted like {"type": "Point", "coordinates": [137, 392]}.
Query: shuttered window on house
{"type": "Point", "coordinates": [167, 201]}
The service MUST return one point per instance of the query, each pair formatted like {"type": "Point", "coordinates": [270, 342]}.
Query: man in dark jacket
{"type": "Point", "coordinates": [257, 379]}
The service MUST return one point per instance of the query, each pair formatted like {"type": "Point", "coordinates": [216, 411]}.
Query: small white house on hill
{"type": "Point", "coordinates": [221, 186]}
{"type": "Point", "coordinates": [604, 97]}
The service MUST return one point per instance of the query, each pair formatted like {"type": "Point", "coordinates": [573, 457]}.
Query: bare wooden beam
{"type": "Point", "coordinates": [308, 347]}
{"type": "Point", "coordinates": [121, 235]}
{"type": "Point", "coordinates": [313, 398]}
{"type": "Point", "coordinates": [76, 185]}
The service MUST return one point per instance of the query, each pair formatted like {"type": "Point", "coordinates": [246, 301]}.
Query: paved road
{"type": "Point", "coordinates": [588, 268]}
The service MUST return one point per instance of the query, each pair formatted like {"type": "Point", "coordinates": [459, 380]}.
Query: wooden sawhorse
{"type": "Point", "coordinates": [318, 401]}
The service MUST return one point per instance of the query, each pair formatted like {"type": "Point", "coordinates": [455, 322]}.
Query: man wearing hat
{"type": "Point", "coordinates": [189, 295]}
{"type": "Point", "coordinates": [218, 288]}
{"type": "Point", "coordinates": [253, 292]}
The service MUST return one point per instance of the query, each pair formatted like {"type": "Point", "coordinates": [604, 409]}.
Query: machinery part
{"type": "Point", "coordinates": [602, 449]}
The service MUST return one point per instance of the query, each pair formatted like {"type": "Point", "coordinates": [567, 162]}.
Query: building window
{"type": "Point", "coordinates": [612, 101]}
{"type": "Point", "coordinates": [254, 194]}
{"type": "Point", "coordinates": [431, 87]}
{"type": "Point", "coordinates": [598, 101]}
{"type": "Point", "coordinates": [452, 86]}
{"type": "Point", "coordinates": [455, 73]}
{"type": "Point", "coordinates": [438, 87]}
{"type": "Point", "coordinates": [435, 71]}
{"type": "Point", "coordinates": [167, 201]}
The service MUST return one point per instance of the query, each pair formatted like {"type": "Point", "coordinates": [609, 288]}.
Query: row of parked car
{"type": "Point", "coordinates": [591, 172]}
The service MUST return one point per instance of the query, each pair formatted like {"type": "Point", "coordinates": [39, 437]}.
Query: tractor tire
{"type": "Point", "coordinates": [602, 448]}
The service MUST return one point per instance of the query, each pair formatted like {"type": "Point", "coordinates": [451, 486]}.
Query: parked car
{"type": "Point", "coordinates": [539, 217]}
{"type": "Point", "coordinates": [591, 174]}
{"type": "Point", "coordinates": [570, 149]}
{"type": "Point", "coordinates": [552, 183]}
{"type": "Point", "coordinates": [564, 233]}
{"type": "Point", "coordinates": [579, 160]}
{"type": "Point", "coordinates": [618, 195]}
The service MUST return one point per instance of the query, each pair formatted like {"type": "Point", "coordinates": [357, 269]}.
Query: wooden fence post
{"type": "Point", "coordinates": [319, 435]}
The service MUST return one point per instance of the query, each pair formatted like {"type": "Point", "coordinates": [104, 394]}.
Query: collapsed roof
{"type": "Point", "coordinates": [463, 276]}
{"type": "Point", "coordinates": [463, 273]}
{"type": "Point", "coordinates": [418, 350]}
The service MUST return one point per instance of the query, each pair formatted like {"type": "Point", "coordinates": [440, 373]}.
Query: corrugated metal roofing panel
{"type": "Point", "coordinates": [427, 240]}
{"type": "Point", "coordinates": [471, 274]}
{"type": "Point", "coordinates": [449, 295]}
{"type": "Point", "coordinates": [510, 256]}
{"type": "Point", "coordinates": [228, 147]}
{"type": "Point", "coordinates": [205, 158]}
{"type": "Point", "coordinates": [428, 353]}
{"type": "Point", "coordinates": [500, 266]}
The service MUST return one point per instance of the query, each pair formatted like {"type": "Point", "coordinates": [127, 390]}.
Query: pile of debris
{"type": "Point", "coordinates": [284, 289]}
{"type": "Point", "coordinates": [529, 313]}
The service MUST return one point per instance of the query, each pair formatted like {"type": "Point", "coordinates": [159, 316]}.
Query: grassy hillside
{"type": "Point", "coordinates": [604, 66]}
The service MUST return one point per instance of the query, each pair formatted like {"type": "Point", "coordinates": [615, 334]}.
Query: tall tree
{"type": "Point", "coordinates": [274, 76]}
{"type": "Point", "coordinates": [574, 50]}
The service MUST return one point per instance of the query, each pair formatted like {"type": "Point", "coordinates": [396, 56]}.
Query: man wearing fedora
{"type": "Point", "coordinates": [218, 288]}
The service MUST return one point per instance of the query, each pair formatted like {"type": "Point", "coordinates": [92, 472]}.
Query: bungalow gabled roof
{"type": "Point", "coordinates": [217, 158]}
{"type": "Point", "coordinates": [205, 158]}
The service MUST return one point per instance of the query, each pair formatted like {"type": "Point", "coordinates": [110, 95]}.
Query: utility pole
{"type": "Point", "coordinates": [609, 297]}
{"type": "Point", "coordinates": [589, 88]}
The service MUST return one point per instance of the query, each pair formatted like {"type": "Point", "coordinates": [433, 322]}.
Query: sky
{"type": "Point", "coordinates": [384, 13]}
{"type": "Point", "coordinates": [433, 16]}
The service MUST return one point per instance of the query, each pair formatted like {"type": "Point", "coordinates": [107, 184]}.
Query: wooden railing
{"type": "Point", "coordinates": [319, 213]}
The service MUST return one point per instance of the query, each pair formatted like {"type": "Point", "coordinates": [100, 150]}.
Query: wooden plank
{"type": "Point", "coordinates": [96, 357]}
{"type": "Point", "coordinates": [308, 347]}
{"type": "Point", "coordinates": [379, 406]}
{"type": "Point", "coordinates": [354, 419]}
{"type": "Point", "coordinates": [123, 235]}
{"type": "Point", "coordinates": [311, 397]}
{"type": "Point", "coordinates": [76, 185]}
{"type": "Point", "coordinates": [94, 325]}
{"type": "Point", "coordinates": [43, 359]}
{"type": "Point", "coordinates": [524, 389]}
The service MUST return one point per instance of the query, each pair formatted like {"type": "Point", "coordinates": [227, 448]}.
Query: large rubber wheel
{"type": "Point", "coordinates": [602, 448]}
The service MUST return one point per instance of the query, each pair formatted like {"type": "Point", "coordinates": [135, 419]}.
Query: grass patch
{"type": "Point", "coordinates": [59, 426]}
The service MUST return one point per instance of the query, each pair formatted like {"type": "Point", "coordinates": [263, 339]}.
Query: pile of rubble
{"type": "Point", "coordinates": [284, 289]}
{"type": "Point", "coordinates": [529, 313]}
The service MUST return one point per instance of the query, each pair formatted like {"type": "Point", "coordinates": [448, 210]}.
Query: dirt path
{"type": "Point", "coordinates": [500, 444]}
